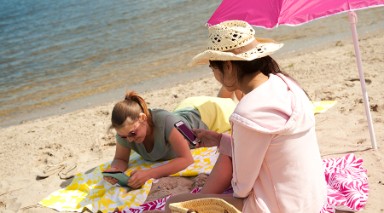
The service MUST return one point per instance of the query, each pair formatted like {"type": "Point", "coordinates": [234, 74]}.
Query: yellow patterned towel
{"type": "Point", "coordinates": [89, 190]}
{"type": "Point", "coordinates": [322, 106]}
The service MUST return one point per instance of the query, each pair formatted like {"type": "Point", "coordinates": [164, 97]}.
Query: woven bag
{"type": "Point", "coordinates": [203, 205]}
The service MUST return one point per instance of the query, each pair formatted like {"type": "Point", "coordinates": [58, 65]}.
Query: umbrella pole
{"type": "Point", "coordinates": [353, 19]}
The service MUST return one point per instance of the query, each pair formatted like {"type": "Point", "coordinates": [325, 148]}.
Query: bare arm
{"type": "Point", "coordinates": [207, 138]}
{"type": "Point", "coordinates": [183, 160]}
{"type": "Point", "coordinates": [121, 159]}
{"type": "Point", "coordinates": [119, 163]}
{"type": "Point", "coordinates": [184, 157]}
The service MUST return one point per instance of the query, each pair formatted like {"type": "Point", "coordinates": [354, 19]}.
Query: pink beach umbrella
{"type": "Point", "coordinates": [271, 13]}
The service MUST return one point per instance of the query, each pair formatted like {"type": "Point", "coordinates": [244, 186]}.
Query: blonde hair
{"type": "Point", "coordinates": [129, 108]}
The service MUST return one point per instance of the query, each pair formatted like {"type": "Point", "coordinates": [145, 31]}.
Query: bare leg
{"type": "Point", "coordinates": [236, 202]}
{"type": "Point", "coordinates": [220, 178]}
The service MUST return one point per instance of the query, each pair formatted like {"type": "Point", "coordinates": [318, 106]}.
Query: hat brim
{"type": "Point", "coordinates": [262, 49]}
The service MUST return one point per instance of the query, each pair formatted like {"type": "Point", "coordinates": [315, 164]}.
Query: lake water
{"type": "Point", "coordinates": [56, 56]}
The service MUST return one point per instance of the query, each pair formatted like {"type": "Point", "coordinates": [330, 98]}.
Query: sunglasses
{"type": "Point", "coordinates": [132, 133]}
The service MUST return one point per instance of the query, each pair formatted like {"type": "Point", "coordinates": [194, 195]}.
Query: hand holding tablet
{"type": "Point", "coordinates": [121, 177]}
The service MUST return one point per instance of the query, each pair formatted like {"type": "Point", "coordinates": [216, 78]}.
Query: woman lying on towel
{"type": "Point", "coordinates": [151, 133]}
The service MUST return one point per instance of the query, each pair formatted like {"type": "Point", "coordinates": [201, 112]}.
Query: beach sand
{"type": "Point", "coordinates": [329, 73]}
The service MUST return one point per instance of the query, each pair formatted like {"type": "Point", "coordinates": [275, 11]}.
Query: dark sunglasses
{"type": "Point", "coordinates": [130, 135]}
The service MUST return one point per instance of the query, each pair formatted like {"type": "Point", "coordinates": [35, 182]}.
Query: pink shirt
{"type": "Point", "coordinates": [276, 160]}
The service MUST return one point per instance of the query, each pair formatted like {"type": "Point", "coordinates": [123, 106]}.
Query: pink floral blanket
{"type": "Point", "coordinates": [347, 187]}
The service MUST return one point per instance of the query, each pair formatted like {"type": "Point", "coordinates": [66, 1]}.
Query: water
{"type": "Point", "coordinates": [58, 54]}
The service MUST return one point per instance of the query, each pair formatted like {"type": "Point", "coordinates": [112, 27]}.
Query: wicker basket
{"type": "Point", "coordinates": [203, 205]}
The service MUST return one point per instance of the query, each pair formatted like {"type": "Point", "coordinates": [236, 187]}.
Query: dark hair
{"type": "Point", "coordinates": [130, 107]}
{"type": "Point", "coordinates": [267, 65]}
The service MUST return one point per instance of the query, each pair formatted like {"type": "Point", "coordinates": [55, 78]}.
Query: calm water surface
{"type": "Point", "coordinates": [77, 53]}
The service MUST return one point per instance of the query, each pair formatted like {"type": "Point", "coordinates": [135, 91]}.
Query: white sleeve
{"type": "Point", "coordinates": [249, 151]}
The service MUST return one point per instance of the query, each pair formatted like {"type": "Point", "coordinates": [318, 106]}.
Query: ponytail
{"type": "Point", "coordinates": [130, 108]}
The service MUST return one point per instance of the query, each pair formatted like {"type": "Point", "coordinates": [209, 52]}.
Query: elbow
{"type": "Point", "coordinates": [185, 161]}
{"type": "Point", "coordinates": [240, 195]}
{"type": "Point", "coordinates": [190, 161]}
{"type": "Point", "coordinates": [240, 192]}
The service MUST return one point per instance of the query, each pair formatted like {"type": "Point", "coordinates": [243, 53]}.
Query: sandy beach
{"type": "Point", "coordinates": [81, 137]}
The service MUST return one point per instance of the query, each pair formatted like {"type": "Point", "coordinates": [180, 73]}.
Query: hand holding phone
{"type": "Point", "coordinates": [187, 133]}
{"type": "Point", "coordinates": [121, 177]}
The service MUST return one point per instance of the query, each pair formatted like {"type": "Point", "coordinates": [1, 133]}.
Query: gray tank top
{"type": "Point", "coordinates": [163, 124]}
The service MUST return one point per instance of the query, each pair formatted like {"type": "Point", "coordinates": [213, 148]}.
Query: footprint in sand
{"type": "Point", "coordinates": [12, 205]}
{"type": "Point", "coordinates": [8, 205]}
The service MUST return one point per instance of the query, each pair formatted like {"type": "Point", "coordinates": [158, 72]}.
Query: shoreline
{"type": "Point", "coordinates": [298, 39]}
{"type": "Point", "coordinates": [100, 99]}
{"type": "Point", "coordinates": [289, 50]}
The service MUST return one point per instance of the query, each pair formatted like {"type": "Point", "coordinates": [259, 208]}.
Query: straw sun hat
{"type": "Point", "coordinates": [203, 205]}
{"type": "Point", "coordinates": [234, 41]}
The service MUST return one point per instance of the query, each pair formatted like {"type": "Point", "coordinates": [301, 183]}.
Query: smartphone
{"type": "Point", "coordinates": [188, 133]}
{"type": "Point", "coordinates": [121, 177]}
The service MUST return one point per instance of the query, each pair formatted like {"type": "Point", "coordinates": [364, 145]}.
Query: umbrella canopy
{"type": "Point", "coordinates": [271, 13]}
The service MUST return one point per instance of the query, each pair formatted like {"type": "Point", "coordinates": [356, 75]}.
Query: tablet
{"type": "Point", "coordinates": [121, 177]}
